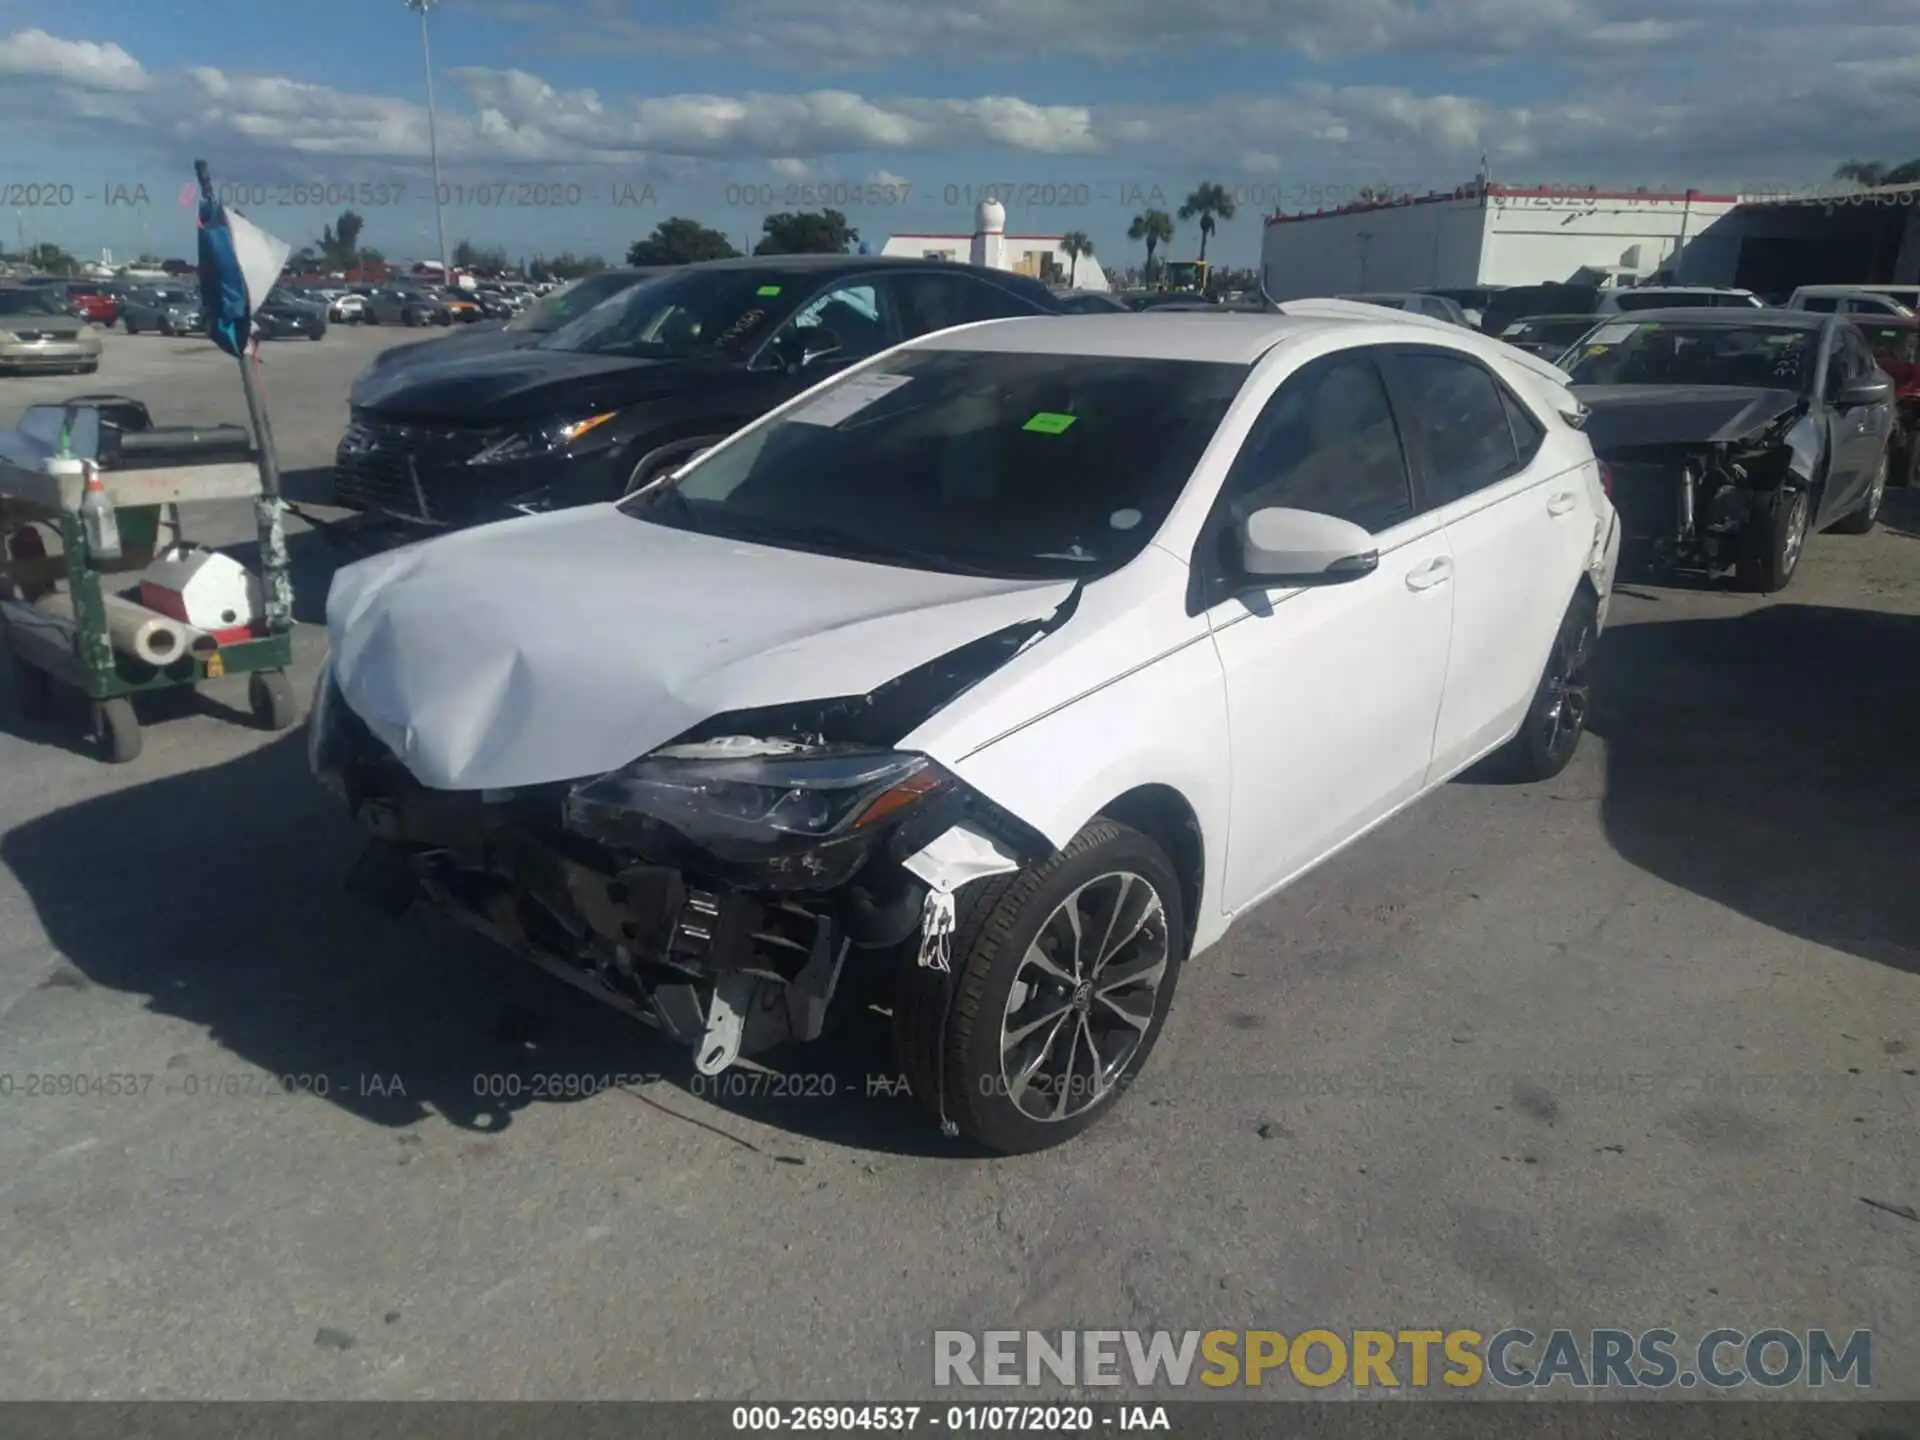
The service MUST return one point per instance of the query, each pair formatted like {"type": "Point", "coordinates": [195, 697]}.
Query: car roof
{"type": "Point", "coordinates": [1586, 318]}
{"type": "Point", "coordinates": [1870, 287]}
{"type": "Point", "coordinates": [1764, 315]}
{"type": "Point", "coordinates": [1231, 337]}
{"type": "Point", "coordinates": [814, 264]}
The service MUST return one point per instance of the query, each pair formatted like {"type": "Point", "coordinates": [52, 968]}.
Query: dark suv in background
{"type": "Point", "coordinates": [634, 387]}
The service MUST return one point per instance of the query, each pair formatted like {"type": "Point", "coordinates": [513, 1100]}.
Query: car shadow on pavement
{"type": "Point", "coordinates": [1770, 763]}
{"type": "Point", "coordinates": [218, 894]}
{"type": "Point", "coordinates": [1900, 513]}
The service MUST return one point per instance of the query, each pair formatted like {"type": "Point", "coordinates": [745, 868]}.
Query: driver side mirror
{"type": "Point", "coordinates": [804, 344]}
{"type": "Point", "coordinates": [1858, 394]}
{"type": "Point", "coordinates": [1278, 546]}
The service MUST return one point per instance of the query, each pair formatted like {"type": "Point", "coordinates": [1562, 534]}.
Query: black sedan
{"type": "Point", "coordinates": [1732, 435]}
{"type": "Point", "coordinates": [404, 305]}
{"type": "Point", "coordinates": [1548, 336]}
{"type": "Point", "coordinates": [633, 388]}
{"type": "Point", "coordinates": [537, 320]}
{"type": "Point", "coordinates": [282, 317]}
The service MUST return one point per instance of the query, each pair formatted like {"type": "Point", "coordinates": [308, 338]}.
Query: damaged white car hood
{"type": "Point", "coordinates": [567, 645]}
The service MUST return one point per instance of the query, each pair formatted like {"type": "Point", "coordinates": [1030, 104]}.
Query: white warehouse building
{"type": "Point", "coordinates": [1039, 256]}
{"type": "Point", "coordinates": [1487, 234]}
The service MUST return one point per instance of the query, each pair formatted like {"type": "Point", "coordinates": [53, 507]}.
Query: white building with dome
{"type": "Point", "coordinates": [1037, 255]}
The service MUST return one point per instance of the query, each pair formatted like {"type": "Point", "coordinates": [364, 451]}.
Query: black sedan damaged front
{"type": "Point", "coordinates": [722, 888]}
{"type": "Point", "coordinates": [1704, 477]}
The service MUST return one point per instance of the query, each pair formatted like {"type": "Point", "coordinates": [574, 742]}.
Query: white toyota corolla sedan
{"type": "Point", "coordinates": [996, 674]}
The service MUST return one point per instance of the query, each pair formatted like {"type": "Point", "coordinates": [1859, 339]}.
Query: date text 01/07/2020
{"type": "Point", "coordinates": [193, 1085]}
{"type": "Point", "coordinates": [960, 1419]}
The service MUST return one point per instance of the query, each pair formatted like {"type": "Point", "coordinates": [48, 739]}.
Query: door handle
{"type": "Point", "coordinates": [1562, 503]}
{"type": "Point", "coordinates": [1434, 572]}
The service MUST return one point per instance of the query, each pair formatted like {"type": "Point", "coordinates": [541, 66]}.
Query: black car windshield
{"type": "Point", "coordinates": [684, 315]}
{"type": "Point", "coordinates": [1667, 300]}
{"type": "Point", "coordinates": [569, 303]}
{"type": "Point", "coordinates": [1677, 352]}
{"type": "Point", "coordinates": [1011, 465]}
{"type": "Point", "coordinates": [29, 302]}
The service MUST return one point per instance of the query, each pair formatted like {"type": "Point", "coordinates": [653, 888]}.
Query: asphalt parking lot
{"type": "Point", "coordinates": [1633, 1048]}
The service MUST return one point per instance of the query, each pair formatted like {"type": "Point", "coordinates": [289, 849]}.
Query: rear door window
{"type": "Point", "coordinates": [1461, 421]}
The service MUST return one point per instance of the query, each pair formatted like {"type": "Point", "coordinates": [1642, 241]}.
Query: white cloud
{"type": "Point", "coordinates": [1648, 104]}
{"type": "Point", "coordinates": [36, 54]}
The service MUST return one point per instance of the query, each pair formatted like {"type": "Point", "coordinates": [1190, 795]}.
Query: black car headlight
{"type": "Point", "coordinates": [535, 443]}
{"type": "Point", "coordinates": [750, 801]}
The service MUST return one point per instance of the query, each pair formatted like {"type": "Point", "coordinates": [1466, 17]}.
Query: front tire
{"type": "Point", "coordinates": [1557, 716]}
{"type": "Point", "coordinates": [1063, 976]}
{"type": "Point", "coordinates": [1861, 521]}
{"type": "Point", "coordinates": [1772, 543]}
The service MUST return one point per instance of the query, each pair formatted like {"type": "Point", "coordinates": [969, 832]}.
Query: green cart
{"type": "Point", "coordinates": [54, 618]}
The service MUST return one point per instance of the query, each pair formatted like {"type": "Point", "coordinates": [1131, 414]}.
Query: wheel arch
{"type": "Point", "coordinates": [1163, 815]}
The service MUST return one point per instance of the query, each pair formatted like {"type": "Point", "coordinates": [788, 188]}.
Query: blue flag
{"type": "Point", "coordinates": [239, 264]}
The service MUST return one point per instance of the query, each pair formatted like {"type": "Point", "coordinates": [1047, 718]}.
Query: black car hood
{"type": "Point", "coordinates": [1625, 416]}
{"type": "Point", "coordinates": [527, 384]}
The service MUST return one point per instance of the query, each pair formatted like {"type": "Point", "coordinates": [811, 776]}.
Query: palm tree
{"type": "Point", "coordinates": [1208, 203]}
{"type": "Point", "coordinates": [1076, 244]}
{"type": "Point", "coordinates": [1156, 228]}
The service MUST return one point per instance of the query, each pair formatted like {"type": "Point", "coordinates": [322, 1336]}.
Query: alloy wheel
{"type": "Point", "coordinates": [1796, 535]}
{"type": "Point", "coordinates": [1569, 689]}
{"type": "Point", "coordinates": [1084, 997]}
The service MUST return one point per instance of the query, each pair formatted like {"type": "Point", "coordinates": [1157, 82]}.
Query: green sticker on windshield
{"type": "Point", "coordinates": [1048, 423]}
{"type": "Point", "coordinates": [768, 290]}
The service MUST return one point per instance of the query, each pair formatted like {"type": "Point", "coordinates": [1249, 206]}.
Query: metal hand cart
{"type": "Point", "coordinates": [69, 643]}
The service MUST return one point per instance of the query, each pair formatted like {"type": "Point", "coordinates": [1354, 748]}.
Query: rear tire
{"type": "Point", "coordinates": [1557, 716]}
{"type": "Point", "coordinates": [116, 730]}
{"type": "Point", "coordinates": [1861, 521]}
{"type": "Point", "coordinates": [1771, 545]}
{"type": "Point", "coordinates": [1011, 1061]}
{"type": "Point", "coordinates": [271, 700]}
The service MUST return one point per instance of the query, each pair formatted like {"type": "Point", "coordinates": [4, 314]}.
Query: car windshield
{"type": "Point", "coordinates": [1010, 465]}
{"type": "Point", "coordinates": [1548, 332]}
{"type": "Point", "coordinates": [691, 313]}
{"type": "Point", "coordinates": [1898, 343]}
{"type": "Point", "coordinates": [173, 297]}
{"type": "Point", "coordinates": [550, 312]}
{"type": "Point", "coordinates": [1665, 300]}
{"type": "Point", "coordinates": [1676, 352]}
{"type": "Point", "coordinates": [29, 302]}
{"type": "Point", "coordinates": [1392, 302]}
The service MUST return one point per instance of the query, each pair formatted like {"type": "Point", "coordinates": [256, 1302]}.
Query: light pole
{"type": "Point", "coordinates": [433, 141]}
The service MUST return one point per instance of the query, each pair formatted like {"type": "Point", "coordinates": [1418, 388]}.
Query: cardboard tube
{"type": "Point", "coordinates": [135, 630]}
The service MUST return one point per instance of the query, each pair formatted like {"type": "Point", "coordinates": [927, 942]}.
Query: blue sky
{"type": "Point", "coordinates": [578, 125]}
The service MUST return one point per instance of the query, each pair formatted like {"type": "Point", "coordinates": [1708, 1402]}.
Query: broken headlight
{"type": "Point", "coordinates": [813, 810]}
